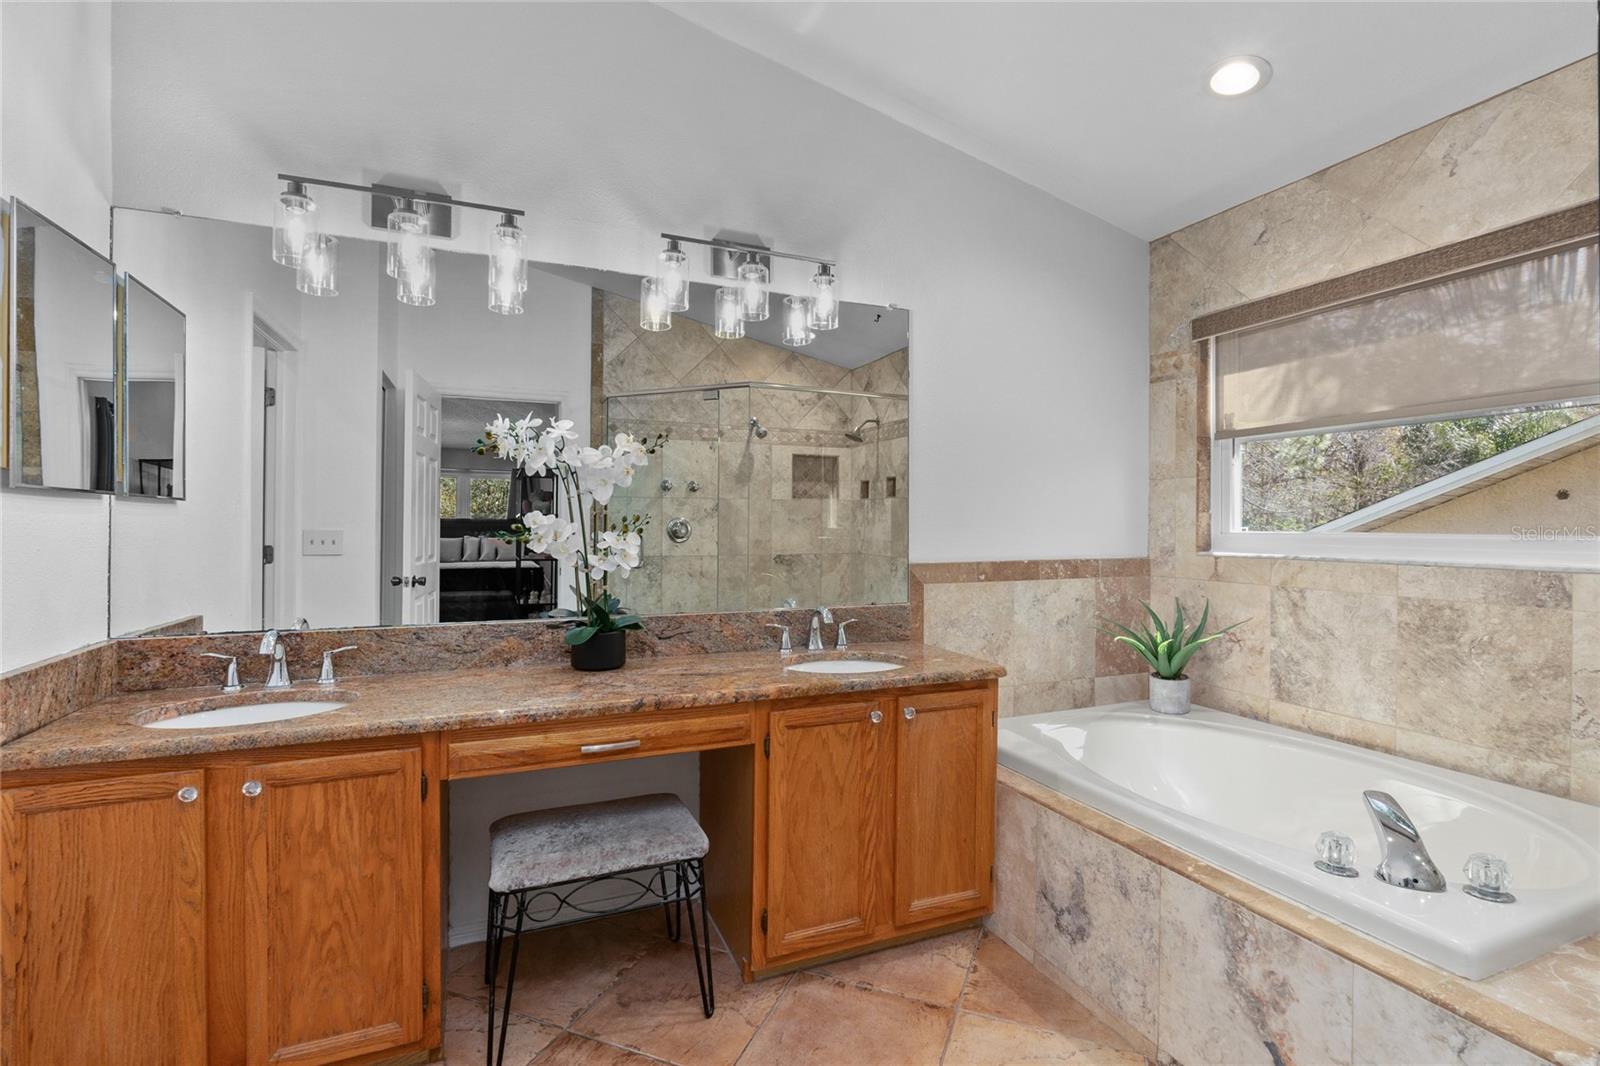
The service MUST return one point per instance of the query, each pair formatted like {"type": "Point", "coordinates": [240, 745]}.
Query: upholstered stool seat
{"type": "Point", "coordinates": [591, 839]}
{"type": "Point", "coordinates": [543, 864]}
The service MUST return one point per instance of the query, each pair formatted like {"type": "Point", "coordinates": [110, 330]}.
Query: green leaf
{"type": "Point", "coordinates": [628, 621]}
{"type": "Point", "coordinates": [1163, 660]}
{"type": "Point", "coordinates": [1140, 648]}
{"type": "Point", "coordinates": [1199, 630]}
{"type": "Point", "coordinates": [580, 634]}
{"type": "Point", "coordinates": [1177, 621]}
{"type": "Point", "coordinates": [1161, 627]}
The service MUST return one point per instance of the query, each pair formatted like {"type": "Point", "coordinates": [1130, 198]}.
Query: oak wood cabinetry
{"type": "Point", "coordinates": [858, 821]}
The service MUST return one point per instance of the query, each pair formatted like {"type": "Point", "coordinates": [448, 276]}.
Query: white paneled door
{"type": "Point", "coordinates": [420, 535]}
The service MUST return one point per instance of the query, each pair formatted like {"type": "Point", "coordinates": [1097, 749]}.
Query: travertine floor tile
{"type": "Point", "coordinates": [823, 1022]}
{"type": "Point", "coordinates": [655, 1008]}
{"type": "Point", "coordinates": [1004, 985]}
{"type": "Point", "coordinates": [574, 1050]}
{"type": "Point", "coordinates": [932, 970]}
{"type": "Point", "coordinates": [466, 1036]}
{"type": "Point", "coordinates": [981, 1041]}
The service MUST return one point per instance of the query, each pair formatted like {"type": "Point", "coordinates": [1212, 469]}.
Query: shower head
{"type": "Point", "coordinates": [857, 434]}
{"type": "Point", "coordinates": [758, 429]}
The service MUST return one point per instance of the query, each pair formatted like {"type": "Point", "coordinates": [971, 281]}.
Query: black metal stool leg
{"type": "Point", "coordinates": [708, 996]}
{"type": "Point", "coordinates": [489, 937]}
{"type": "Point", "coordinates": [669, 908]}
{"type": "Point", "coordinates": [511, 982]}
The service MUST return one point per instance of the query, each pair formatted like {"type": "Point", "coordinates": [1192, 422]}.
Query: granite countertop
{"type": "Point", "coordinates": [402, 704]}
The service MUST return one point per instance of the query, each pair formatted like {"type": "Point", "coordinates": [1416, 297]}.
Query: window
{"type": "Point", "coordinates": [1453, 421]}
{"type": "Point", "coordinates": [472, 494]}
{"type": "Point", "coordinates": [447, 496]}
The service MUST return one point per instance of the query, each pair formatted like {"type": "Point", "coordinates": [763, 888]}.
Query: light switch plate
{"type": "Point", "coordinates": [322, 542]}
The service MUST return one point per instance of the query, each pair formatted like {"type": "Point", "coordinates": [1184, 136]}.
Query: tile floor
{"type": "Point", "coordinates": [618, 993]}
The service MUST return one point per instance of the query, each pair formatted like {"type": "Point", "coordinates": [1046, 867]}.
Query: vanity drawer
{"type": "Point", "coordinates": [571, 745]}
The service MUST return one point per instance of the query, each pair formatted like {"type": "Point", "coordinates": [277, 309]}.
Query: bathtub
{"type": "Point", "coordinates": [1252, 798]}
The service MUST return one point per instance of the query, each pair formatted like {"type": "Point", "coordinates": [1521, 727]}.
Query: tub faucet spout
{"type": "Point", "coordinates": [1404, 861]}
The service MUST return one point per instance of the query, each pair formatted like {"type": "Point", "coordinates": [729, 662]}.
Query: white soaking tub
{"type": "Point", "coordinates": [1252, 798]}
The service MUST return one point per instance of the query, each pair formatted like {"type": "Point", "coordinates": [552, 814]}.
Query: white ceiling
{"type": "Point", "coordinates": [1104, 105]}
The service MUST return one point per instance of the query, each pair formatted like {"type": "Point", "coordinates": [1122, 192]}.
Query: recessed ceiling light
{"type": "Point", "coordinates": [1240, 75]}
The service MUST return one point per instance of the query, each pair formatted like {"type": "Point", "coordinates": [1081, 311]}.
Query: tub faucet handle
{"type": "Point", "coordinates": [1336, 854]}
{"type": "Point", "coordinates": [1488, 878]}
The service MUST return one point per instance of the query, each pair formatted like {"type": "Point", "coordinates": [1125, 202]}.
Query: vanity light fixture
{"type": "Point", "coordinates": [729, 319]}
{"type": "Point", "coordinates": [654, 312]}
{"type": "Point", "coordinates": [824, 314]}
{"type": "Point", "coordinates": [672, 270]}
{"type": "Point", "coordinates": [1239, 75]}
{"type": "Point", "coordinates": [797, 312]}
{"type": "Point", "coordinates": [753, 278]}
{"type": "Point", "coordinates": [412, 230]}
{"type": "Point", "coordinates": [317, 273]}
{"type": "Point", "coordinates": [294, 223]}
{"type": "Point", "coordinates": [508, 267]}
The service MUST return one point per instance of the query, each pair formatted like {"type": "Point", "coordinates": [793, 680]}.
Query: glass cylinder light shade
{"type": "Point", "coordinates": [824, 299]}
{"type": "Point", "coordinates": [797, 321]}
{"type": "Point", "coordinates": [508, 269]}
{"type": "Point", "coordinates": [294, 223]}
{"type": "Point", "coordinates": [414, 285]}
{"type": "Point", "coordinates": [653, 313]}
{"type": "Point", "coordinates": [672, 270]}
{"type": "Point", "coordinates": [407, 228]}
{"type": "Point", "coordinates": [317, 273]}
{"type": "Point", "coordinates": [753, 292]}
{"type": "Point", "coordinates": [729, 320]}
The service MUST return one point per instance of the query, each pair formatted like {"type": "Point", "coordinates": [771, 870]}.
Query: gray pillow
{"type": "Point", "coordinates": [449, 549]}
{"type": "Point", "coordinates": [469, 549]}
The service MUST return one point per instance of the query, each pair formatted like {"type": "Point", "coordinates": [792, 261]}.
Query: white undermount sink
{"type": "Point", "coordinates": [246, 714]}
{"type": "Point", "coordinates": [843, 666]}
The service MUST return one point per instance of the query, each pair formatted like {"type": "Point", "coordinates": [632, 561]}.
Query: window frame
{"type": "Point", "coordinates": [463, 476]}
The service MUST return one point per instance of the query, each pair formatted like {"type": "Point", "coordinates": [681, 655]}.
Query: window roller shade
{"type": "Point", "coordinates": [1521, 333]}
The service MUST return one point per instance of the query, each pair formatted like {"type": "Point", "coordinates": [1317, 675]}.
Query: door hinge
{"type": "Point", "coordinates": [266, 553]}
{"type": "Point", "coordinates": [427, 996]}
{"type": "Point", "coordinates": [272, 396]}
{"type": "Point", "coordinates": [763, 921]}
{"type": "Point", "coordinates": [766, 745]}
{"type": "Point", "coordinates": [424, 786]}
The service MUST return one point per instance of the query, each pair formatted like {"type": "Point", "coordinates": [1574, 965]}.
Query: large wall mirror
{"type": "Point", "coordinates": [332, 478]}
{"type": "Point", "coordinates": [61, 377]}
{"type": "Point", "coordinates": [153, 334]}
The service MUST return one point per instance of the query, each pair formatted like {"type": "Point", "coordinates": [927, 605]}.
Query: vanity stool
{"type": "Point", "coordinates": [540, 860]}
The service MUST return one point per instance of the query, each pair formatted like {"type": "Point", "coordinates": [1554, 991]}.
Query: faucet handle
{"type": "Point", "coordinates": [231, 682]}
{"type": "Point", "coordinates": [1488, 878]}
{"type": "Point", "coordinates": [327, 677]}
{"type": "Point", "coordinates": [785, 645]}
{"type": "Point", "coordinates": [1336, 854]}
{"type": "Point", "coordinates": [841, 642]}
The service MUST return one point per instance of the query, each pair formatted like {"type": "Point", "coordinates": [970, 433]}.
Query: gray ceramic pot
{"type": "Point", "coordinates": [1169, 696]}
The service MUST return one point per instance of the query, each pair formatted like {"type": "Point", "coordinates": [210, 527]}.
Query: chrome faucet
{"type": "Point", "coordinates": [272, 644]}
{"type": "Point", "coordinates": [814, 642]}
{"type": "Point", "coordinates": [1404, 861]}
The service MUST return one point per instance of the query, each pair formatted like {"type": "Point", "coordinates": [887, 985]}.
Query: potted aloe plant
{"type": "Point", "coordinates": [1168, 649]}
{"type": "Point", "coordinates": [587, 540]}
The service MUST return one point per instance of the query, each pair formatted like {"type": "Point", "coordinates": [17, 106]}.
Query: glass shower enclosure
{"type": "Point", "coordinates": [766, 495]}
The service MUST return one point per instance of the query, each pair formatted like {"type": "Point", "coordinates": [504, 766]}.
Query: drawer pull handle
{"type": "Point", "coordinates": [615, 745]}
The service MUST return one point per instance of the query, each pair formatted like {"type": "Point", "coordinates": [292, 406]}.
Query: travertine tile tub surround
{"type": "Point", "coordinates": [1495, 672]}
{"type": "Point", "coordinates": [1195, 965]}
{"type": "Point", "coordinates": [1041, 619]}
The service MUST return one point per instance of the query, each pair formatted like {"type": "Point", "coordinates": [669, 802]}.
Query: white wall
{"type": "Point", "coordinates": [55, 153]}
{"type": "Point", "coordinates": [610, 123]}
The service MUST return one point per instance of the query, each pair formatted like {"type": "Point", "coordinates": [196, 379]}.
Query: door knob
{"type": "Point", "coordinates": [252, 789]}
{"type": "Point", "coordinates": [397, 581]}
{"type": "Point", "coordinates": [876, 717]}
{"type": "Point", "coordinates": [419, 580]}
{"type": "Point", "coordinates": [188, 794]}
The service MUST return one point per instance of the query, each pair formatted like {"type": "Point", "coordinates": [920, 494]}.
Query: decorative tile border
{"type": "Point", "coordinates": [1561, 986]}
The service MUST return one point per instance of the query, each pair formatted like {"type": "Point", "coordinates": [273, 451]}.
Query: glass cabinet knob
{"type": "Point", "coordinates": [252, 788]}
{"type": "Point", "coordinates": [1488, 878]}
{"type": "Point", "coordinates": [876, 717]}
{"type": "Point", "coordinates": [188, 794]}
{"type": "Point", "coordinates": [1336, 854]}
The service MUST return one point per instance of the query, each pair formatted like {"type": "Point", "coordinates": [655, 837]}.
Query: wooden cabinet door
{"type": "Point", "coordinates": [828, 797]}
{"type": "Point", "coordinates": [944, 805]}
{"type": "Point", "coordinates": [104, 922]}
{"type": "Point", "coordinates": [333, 958]}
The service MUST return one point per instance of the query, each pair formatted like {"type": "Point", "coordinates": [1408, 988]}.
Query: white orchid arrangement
{"type": "Point", "coordinates": [589, 542]}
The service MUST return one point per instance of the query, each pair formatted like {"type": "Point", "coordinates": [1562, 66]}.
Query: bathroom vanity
{"type": "Point", "coordinates": [276, 891]}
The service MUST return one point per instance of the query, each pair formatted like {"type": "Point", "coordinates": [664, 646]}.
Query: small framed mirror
{"type": "Point", "coordinates": [61, 419]}
{"type": "Point", "coordinates": [151, 395]}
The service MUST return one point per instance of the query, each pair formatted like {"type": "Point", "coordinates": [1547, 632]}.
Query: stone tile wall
{"type": "Point", "coordinates": [1495, 672]}
{"type": "Point", "coordinates": [1188, 975]}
